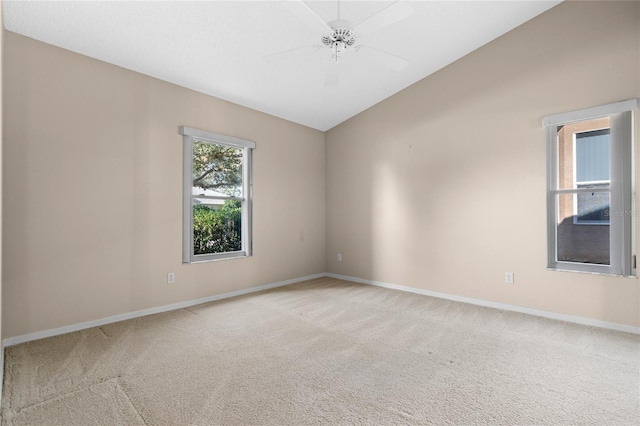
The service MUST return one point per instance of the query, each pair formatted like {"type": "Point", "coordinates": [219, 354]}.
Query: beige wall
{"type": "Point", "coordinates": [442, 186]}
{"type": "Point", "coordinates": [93, 191]}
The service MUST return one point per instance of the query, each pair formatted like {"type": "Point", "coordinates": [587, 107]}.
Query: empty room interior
{"type": "Point", "coordinates": [319, 212]}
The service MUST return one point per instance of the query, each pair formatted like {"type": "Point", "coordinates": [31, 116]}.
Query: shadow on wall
{"type": "Point", "coordinates": [583, 243]}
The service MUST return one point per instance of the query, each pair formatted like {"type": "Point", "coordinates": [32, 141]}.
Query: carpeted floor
{"type": "Point", "coordinates": [327, 352]}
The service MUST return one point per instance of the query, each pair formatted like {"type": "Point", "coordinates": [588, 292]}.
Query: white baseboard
{"type": "Point", "coordinates": [10, 341]}
{"type": "Point", "coordinates": [552, 315]}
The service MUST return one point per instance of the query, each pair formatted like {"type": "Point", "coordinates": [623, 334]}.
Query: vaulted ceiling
{"type": "Point", "coordinates": [219, 47]}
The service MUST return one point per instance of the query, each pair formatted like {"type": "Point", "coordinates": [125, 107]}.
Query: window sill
{"type": "Point", "coordinates": [241, 255]}
{"type": "Point", "coordinates": [592, 273]}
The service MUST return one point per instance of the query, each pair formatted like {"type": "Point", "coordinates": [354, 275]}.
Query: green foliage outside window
{"type": "Point", "coordinates": [217, 231]}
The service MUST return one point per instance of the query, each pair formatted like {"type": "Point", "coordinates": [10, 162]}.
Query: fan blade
{"type": "Point", "coordinates": [394, 62]}
{"type": "Point", "coordinates": [333, 74]}
{"type": "Point", "coordinates": [306, 15]}
{"type": "Point", "coordinates": [391, 14]}
{"type": "Point", "coordinates": [305, 52]}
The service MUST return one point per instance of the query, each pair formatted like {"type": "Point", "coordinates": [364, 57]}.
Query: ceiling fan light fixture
{"type": "Point", "coordinates": [341, 37]}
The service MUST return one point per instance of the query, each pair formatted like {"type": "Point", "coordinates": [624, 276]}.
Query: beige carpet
{"type": "Point", "coordinates": [327, 352]}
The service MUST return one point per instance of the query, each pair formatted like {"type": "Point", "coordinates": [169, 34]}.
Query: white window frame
{"type": "Point", "coordinates": [622, 187]}
{"type": "Point", "coordinates": [188, 136]}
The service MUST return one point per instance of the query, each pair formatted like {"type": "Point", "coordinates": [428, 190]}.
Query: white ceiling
{"type": "Point", "coordinates": [217, 47]}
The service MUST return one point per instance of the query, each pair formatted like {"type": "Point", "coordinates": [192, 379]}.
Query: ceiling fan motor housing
{"type": "Point", "coordinates": [341, 37]}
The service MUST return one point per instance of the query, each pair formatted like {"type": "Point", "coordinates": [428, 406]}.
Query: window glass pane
{"type": "Point", "coordinates": [592, 156]}
{"type": "Point", "coordinates": [592, 207]}
{"type": "Point", "coordinates": [204, 200]}
{"type": "Point", "coordinates": [217, 168]}
{"type": "Point", "coordinates": [217, 228]}
{"type": "Point", "coordinates": [581, 242]}
{"type": "Point", "coordinates": [583, 153]}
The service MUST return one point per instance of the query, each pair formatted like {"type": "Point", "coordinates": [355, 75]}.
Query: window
{"type": "Point", "coordinates": [590, 182]}
{"type": "Point", "coordinates": [217, 192]}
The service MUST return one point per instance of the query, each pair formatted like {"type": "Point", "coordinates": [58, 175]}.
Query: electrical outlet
{"type": "Point", "coordinates": [171, 277]}
{"type": "Point", "coordinates": [508, 277]}
{"type": "Point", "coordinates": [339, 257]}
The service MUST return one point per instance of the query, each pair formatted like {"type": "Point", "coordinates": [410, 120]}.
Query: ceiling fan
{"type": "Point", "coordinates": [340, 36]}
